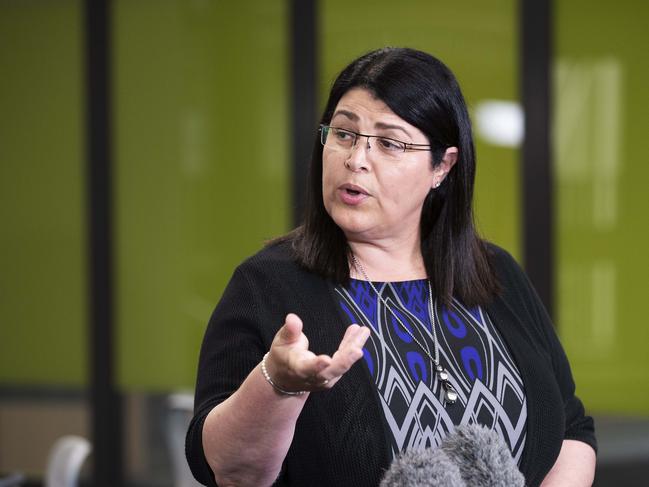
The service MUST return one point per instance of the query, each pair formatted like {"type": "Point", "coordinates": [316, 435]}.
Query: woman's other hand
{"type": "Point", "coordinates": [293, 367]}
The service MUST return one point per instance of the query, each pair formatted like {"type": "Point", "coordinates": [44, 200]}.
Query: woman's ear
{"type": "Point", "coordinates": [450, 157]}
{"type": "Point", "coordinates": [448, 161]}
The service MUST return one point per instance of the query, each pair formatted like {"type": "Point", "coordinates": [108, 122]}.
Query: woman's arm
{"type": "Point", "coordinates": [575, 466]}
{"type": "Point", "coordinates": [246, 437]}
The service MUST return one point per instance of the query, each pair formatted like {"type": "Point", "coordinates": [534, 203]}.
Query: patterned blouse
{"type": "Point", "coordinates": [480, 367]}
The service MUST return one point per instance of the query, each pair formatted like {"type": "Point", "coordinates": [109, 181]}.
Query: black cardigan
{"type": "Point", "coordinates": [339, 437]}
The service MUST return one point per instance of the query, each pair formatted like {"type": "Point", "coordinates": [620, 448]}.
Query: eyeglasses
{"type": "Point", "coordinates": [345, 140]}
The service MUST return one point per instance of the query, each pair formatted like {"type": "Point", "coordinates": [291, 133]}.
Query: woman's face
{"type": "Point", "coordinates": [370, 196]}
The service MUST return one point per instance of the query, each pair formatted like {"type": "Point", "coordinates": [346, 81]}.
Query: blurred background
{"type": "Point", "coordinates": [148, 146]}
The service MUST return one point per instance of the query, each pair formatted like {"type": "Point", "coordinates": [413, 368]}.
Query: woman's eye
{"type": "Point", "coordinates": [390, 145]}
{"type": "Point", "coordinates": [343, 134]}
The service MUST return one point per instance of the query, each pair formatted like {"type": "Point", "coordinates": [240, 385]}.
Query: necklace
{"type": "Point", "coordinates": [450, 394]}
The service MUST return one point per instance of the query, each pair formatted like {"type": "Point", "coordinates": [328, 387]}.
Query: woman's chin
{"type": "Point", "coordinates": [362, 231]}
{"type": "Point", "coordinates": [352, 226]}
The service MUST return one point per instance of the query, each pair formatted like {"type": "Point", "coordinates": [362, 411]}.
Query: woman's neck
{"type": "Point", "coordinates": [387, 261]}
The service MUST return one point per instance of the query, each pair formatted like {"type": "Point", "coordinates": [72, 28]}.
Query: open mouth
{"type": "Point", "coordinates": [353, 190]}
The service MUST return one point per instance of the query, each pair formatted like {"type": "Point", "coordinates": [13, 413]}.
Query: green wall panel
{"type": "Point", "coordinates": [478, 41]}
{"type": "Point", "coordinates": [202, 162]}
{"type": "Point", "coordinates": [601, 113]}
{"type": "Point", "coordinates": [42, 244]}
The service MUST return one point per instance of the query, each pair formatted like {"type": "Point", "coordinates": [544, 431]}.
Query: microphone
{"type": "Point", "coordinates": [471, 456]}
{"type": "Point", "coordinates": [482, 457]}
{"type": "Point", "coordinates": [423, 468]}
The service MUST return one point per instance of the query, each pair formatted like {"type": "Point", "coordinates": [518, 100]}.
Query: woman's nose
{"type": "Point", "coordinates": [357, 159]}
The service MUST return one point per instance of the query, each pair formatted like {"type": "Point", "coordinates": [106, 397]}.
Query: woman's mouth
{"type": "Point", "coordinates": [352, 195]}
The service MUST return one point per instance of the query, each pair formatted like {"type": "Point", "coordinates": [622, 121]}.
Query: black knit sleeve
{"type": "Point", "coordinates": [578, 426]}
{"type": "Point", "coordinates": [232, 346]}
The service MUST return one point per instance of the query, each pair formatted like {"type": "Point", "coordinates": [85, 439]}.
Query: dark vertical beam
{"type": "Point", "coordinates": [537, 177]}
{"type": "Point", "coordinates": [106, 404]}
{"type": "Point", "coordinates": [303, 48]}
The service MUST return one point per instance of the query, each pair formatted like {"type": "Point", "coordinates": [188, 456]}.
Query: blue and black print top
{"type": "Point", "coordinates": [480, 368]}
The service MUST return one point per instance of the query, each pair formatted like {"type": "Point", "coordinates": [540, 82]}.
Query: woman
{"type": "Point", "coordinates": [383, 321]}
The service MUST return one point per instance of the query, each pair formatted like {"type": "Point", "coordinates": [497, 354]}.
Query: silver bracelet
{"type": "Point", "coordinates": [275, 386]}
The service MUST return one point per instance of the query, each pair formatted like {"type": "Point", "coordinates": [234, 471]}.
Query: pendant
{"type": "Point", "coordinates": [450, 394]}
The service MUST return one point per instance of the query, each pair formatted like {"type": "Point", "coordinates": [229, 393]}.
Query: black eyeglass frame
{"type": "Point", "coordinates": [407, 146]}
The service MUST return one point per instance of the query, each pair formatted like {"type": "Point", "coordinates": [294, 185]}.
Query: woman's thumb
{"type": "Point", "coordinates": [292, 328]}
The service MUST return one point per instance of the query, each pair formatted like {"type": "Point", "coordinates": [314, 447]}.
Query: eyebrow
{"type": "Point", "coordinates": [379, 125]}
{"type": "Point", "coordinates": [386, 126]}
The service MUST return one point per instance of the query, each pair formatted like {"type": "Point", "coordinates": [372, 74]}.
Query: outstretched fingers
{"type": "Point", "coordinates": [294, 367]}
{"type": "Point", "coordinates": [349, 351]}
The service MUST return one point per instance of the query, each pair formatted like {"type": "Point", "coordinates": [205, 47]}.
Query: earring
{"type": "Point", "coordinates": [437, 184]}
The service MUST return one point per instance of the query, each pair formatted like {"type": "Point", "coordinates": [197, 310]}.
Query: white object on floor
{"type": "Point", "coordinates": [65, 461]}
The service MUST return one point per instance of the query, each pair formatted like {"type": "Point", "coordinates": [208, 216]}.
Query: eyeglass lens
{"type": "Point", "coordinates": [344, 140]}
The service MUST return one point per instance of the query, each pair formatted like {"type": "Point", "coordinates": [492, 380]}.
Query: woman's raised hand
{"type": "Point", "coordinates": [293, 367]}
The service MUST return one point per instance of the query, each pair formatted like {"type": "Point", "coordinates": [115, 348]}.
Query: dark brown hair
{"type": "Point", "coordinates": [424, 92]}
